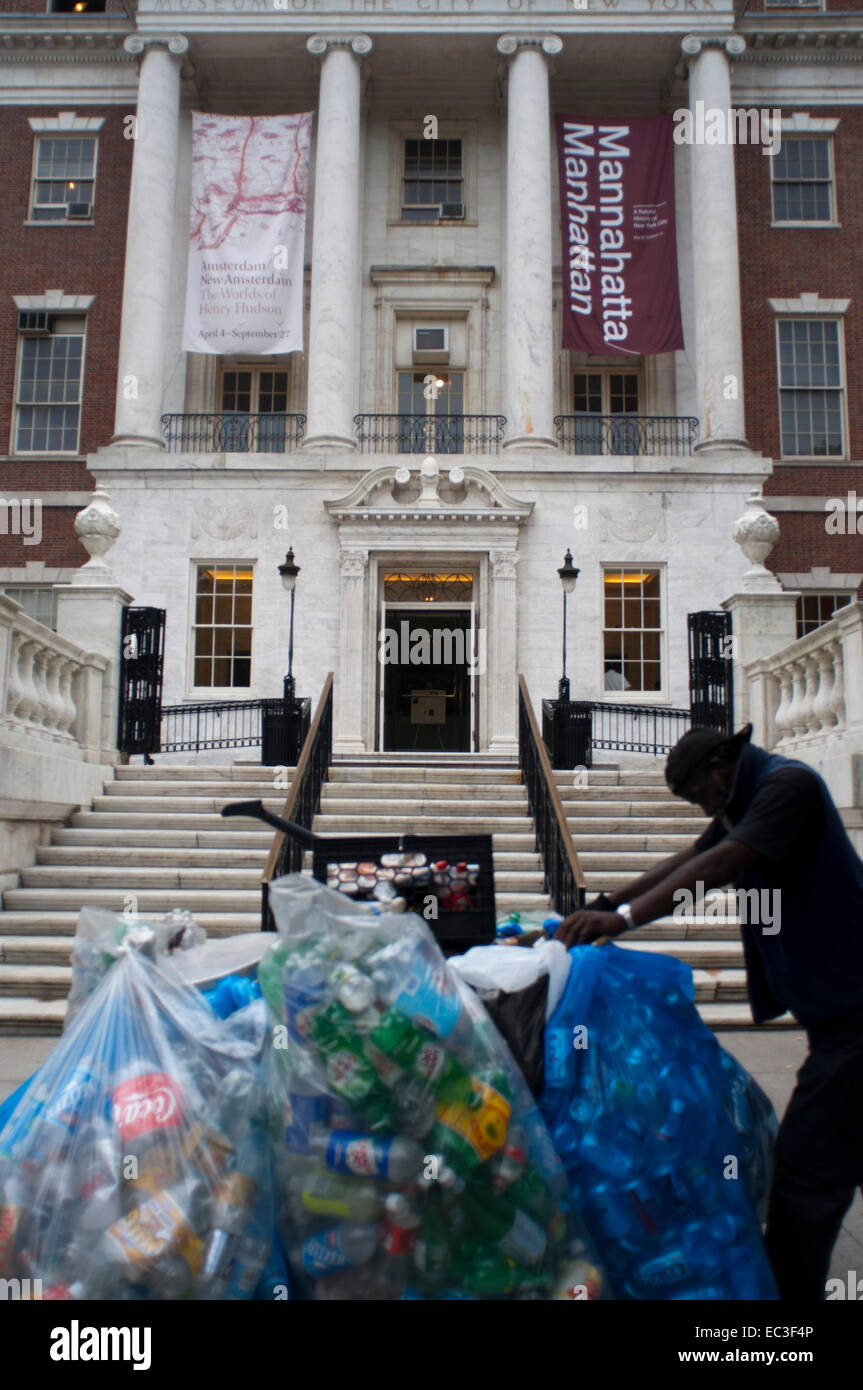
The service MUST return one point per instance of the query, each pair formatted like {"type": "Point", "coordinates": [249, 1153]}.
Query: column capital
{"type": "Point", "coordinates": [503, 563]}
{"type": "Point", "coordinates": [360, 44]}
{"type": "Point", "coordinates": [353, 563]}
{"type": "Point", "coordinates": [509, 44]}
{"type": "Point", "coordinates": [176, 44]}
{"type": "Point", "coordinates": [733, 44]}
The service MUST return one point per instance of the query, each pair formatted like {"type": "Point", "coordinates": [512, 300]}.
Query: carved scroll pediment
{"type": "Point", "coordinates": [401, 491]}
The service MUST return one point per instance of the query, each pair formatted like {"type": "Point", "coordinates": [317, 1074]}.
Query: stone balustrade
{"type": "Point", "coordinates": [809, 694]}
{"type": "Point", "coordinates": [51, 691]}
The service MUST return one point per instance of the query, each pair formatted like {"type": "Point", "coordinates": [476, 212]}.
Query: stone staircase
{"type": "Point", "coordinates": [155, 840]}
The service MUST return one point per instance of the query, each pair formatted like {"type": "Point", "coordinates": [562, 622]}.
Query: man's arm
{"type": "Point", "coordinates": [713, 869]}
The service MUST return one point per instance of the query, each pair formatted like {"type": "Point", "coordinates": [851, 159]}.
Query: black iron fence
{"type": "Point", "coordinates": [227, 433]}
{"type": "Point", "coordinates": [277, 726]}
{"type": "Point", "coordinates": [627, 434]}
{"type": "Point", "coordinates": [572, 729]}
{"type": "Point", "coordinates": [304, 797]}
{"type": "Point", "coordinates": [430, 434]}
{"type": "Point", "coordinates": [563, 875]}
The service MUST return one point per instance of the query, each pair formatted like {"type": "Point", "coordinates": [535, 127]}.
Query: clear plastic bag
{"type": "Point", "coordinates": [665, 1138]}
{"type": "Point", "coordinates": [413, 1161]}
{"type": "Point", "coordinates": [138, 1164]}
{"type": "Point", "coordinates": [99, 937]}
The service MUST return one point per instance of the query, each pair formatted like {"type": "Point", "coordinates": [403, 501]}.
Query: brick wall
{"type": "Point", "coordinates": [78, 260]}
{"type": "Point", "coordinates": [783, 264]}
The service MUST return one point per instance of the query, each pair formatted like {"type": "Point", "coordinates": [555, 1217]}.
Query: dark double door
{"type": "Point", "coordinates": [427, 687]}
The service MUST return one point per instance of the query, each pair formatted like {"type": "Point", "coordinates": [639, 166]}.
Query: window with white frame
{"type": "Point", "coordinates": [632, 629]}
{"type": "Point", "coordinates": [49, 385]}
{"type": "Point", "coordinates": [432, 181]}
{"type": "Point", "coordinates": [222, 627]}
{"type": "Point", "coordinates": [801, 179]}
{"type": "Point", "coordinates": [815, 609]}
{"type": "Point", "coordinates": [811, 388]}
{"type": "Point", "coordinates": [259, 392]}
{"type": "Point", "coordinates": [64, 178]}
{"type": "Point", "coordinates": [37, 600]}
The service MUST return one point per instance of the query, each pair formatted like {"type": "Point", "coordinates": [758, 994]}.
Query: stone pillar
{"type": "Point", "coordinates": [349, 682]}
{"type": "Point", "coordinates": [333, 361]}
{"type": "Point", "coordinates": [716, 269]}
{"type": "Point", "coordinates": [149, 241]}
{"type": "Point", "coordinates": [90, 608]}
{"type": "Point", "coordinates": [503, 654]}
{"type": "Point", "coordinates": [529, 356]}
{"type": "Point", "coordinates": [763, 618]}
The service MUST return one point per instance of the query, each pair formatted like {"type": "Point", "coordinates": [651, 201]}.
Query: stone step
{"type": "Point", "coordinates": [185, 805]}
{"type": "Point", "coordinates": [143, 878]}
{"type": "Point", "coordinates": [331, 824]}
{"type": "Point", "coordinates": [31, 1018]}
{"type": "Point", "coordinates": [583, 826]}
{"type": "Point", "coordinates": [36, 950]}
{"type": "Point", "coordinates": [588, 808]}
{"type": "Point", "coordinates": [209, 840]}
{"type": "Point", "coordinates": [423, 792]}
{"type": "Point", "coordinates": [71, 857]}
{"type": "Point", "coordinates": [35, 981]}
{"type": "Point", "coordinates": [722, 1017]}
{"type": "Point", "coordinates": [47, 922]}
{"type": "Point", "coordinates": [421, 776]}
{"type": "Point", "coordinates": [615, 793]}
{"type": "Point", "coordinates": [200, 900]}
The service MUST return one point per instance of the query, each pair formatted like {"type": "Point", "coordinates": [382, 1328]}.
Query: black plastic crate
{"type": "Point", "coordinates": [454, 931]}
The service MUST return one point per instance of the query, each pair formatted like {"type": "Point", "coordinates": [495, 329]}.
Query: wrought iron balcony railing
{"type": "Point", "coordinates": [232, 432]}
{"type": "Point", "coordinates": [427, 434]}
{"type": "Point", "coordinates": [626, 434]}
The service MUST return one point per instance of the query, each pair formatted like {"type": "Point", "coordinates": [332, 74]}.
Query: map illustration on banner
{"type": "Point", "coordinates": [244, 291]}
{"type": "Point", "coordinates": [620, 290]}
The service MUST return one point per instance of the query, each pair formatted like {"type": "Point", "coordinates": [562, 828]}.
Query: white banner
{"type": "Point", "coordinates": [244, 292]}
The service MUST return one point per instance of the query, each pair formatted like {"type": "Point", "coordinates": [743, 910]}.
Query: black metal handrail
{"type": "Point", "coordinates": [303, 799]}
{"type": "Point", "coordinates": [233, 432]}
{"type": "Point", "coordinates": [564, 878]}
{"type": "Point", "coordinates": [430, 434]}
{"type": "Point", "coordinates": [627, 434]}
{"type": "Point", "coordinates": [216, 724]}
{"type": "Point", "coordinates": [637, 728]}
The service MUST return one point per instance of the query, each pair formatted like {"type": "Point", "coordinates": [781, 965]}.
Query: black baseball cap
{"type": "Point", "coordinates": [696, 748]}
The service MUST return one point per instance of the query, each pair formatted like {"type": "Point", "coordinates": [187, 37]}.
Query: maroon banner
{"type": "Point", "coordinates": [620, 292]}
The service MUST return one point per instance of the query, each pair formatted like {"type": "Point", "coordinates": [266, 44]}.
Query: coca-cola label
{"type": "Point", "coordinates": [148, 1104]}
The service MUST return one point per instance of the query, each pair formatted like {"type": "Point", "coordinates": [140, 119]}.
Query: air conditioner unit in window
{"type": "Point", "coordinates": [452, 212]}
{"type": "Point", "coordinates": [34, 323]}
{"type": "Point", "coordinates": [431, 345]}
{"type": "Point", "coordinates": [76, 210]}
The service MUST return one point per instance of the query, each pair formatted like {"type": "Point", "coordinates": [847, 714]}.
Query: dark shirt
{"type": "Point", "coordinates": [783, 818]}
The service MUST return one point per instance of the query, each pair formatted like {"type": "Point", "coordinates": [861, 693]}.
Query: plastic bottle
{"type": "Point", "coordinates": [415, 1050]}
{"type": "Point", "coordinates": [485, 1270]}
{"type": "Point", "coordinates": [409, 976]}
{"type": "Point", "coordinates": [472, 1120]}
{"type": "Point", "coordinates": [431, 1249]}
{"type": "Point", "coordinates": [391, 1159]}
{"type": "Point", "coordinates": [341, 1247]}
{"type": "Point", "coordinates": [511, 926]}
{"type": "Point", "coordinates": [400, 1231]}
{"type": "Point", "coordinates": [496, 1220]}
{"type": "Point", "coordinates": [349, 1073]}
{"type": "Point", "coordinates": [325, 1193]}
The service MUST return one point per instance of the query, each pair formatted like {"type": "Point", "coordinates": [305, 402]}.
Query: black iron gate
{"type": "Point", "coordinates": [141, 653]}
{"type": "Point", "coordinates": [711, 693]}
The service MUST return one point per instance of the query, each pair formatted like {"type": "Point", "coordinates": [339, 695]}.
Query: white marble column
{"type": "Point", "coordinates": [503, 653]}
{"type": "Point", "coordinates": [528, 400]}
{"type": "Point", "coordinates": [333, 360]}
{"type": "Point", "coordinates": [349, 692]}
{"type": "Point", "coordinates": [149, 241]}
{"type": "Point", "coordinates": [716, 268]}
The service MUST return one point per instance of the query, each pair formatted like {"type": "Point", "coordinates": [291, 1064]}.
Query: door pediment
{"type": "Point", "coordinates": [399, 492]}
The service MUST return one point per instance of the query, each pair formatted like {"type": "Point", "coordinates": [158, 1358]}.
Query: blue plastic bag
{"type": "Point", "coordinates": [665, 1138]}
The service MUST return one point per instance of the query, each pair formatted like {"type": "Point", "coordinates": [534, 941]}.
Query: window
{"type": "Point", "coordinates": [811, 404]}
{"type": "Point", "coordinates": [63, 178]}
{"type": "Point", "coordinates": [605, 394]}
{"type": "Point", "coordinates": [416, 413]}
{"type": "Point", "coordinates": [37, 601]}
{"type": "Point", "coordinates": [222, 627]}
{"type": "Point", "coordinates": [76, 7]}
{"type": "Point", "coordinates": [256, 392]}
{"type": "Point", "coordinates": [813, 610]}
{"type": "Point", "coordinates": [792, 4]}
{"type": "Point", "coordinates": [48, 398]}
{"type": "Point", "coordinates": [802, 180]}
{"type": "Point", "coordinates": [433, 182]}
{"type": "Point", "coordinates": [632, 630]}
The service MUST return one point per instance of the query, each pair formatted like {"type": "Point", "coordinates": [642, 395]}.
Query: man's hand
{"type": "Point", "coordinates": [585, 926]}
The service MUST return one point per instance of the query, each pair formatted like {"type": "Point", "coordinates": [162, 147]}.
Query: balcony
{"type": "Point", "coordinates": [233, 433]}
{"type": "Point", "coordinates": [429, 434]}
{"type": "Point", "coordinates": [669, 435]}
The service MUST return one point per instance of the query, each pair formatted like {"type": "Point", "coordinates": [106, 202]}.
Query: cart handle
{"type": "Point", "coordinates": [258, 811]}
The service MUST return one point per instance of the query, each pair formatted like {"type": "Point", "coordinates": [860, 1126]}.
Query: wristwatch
{"type": "Point", "coordinates": [625, 911]}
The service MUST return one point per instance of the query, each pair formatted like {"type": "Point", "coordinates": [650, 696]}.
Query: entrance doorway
{"type": "Point", "coordinates": [428, 663]}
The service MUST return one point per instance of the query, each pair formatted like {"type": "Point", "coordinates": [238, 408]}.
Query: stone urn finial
{"type": "Point", "coordinates": [97, 528]}
{"type": "Point", "coordinates": [756, 532]}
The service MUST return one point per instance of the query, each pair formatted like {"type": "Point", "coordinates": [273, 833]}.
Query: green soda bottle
{"type": "Point", "coordinates": [270, 978]}
{"type": "Point", "coordinates": [431, 1251]}
{"type": "Point", "coordinates": [496, 1220]}
{"type": "Point", "coordinates": [530, 1194]}
{"type": "Point", "coordinates": [349, 1073]}
{"type": "Point", "coordinates": [415, 1050]}
{"type": "Point", "coordinates": [472, 1120]}
{"type": "Point", "coordinates": [484, 1270]}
